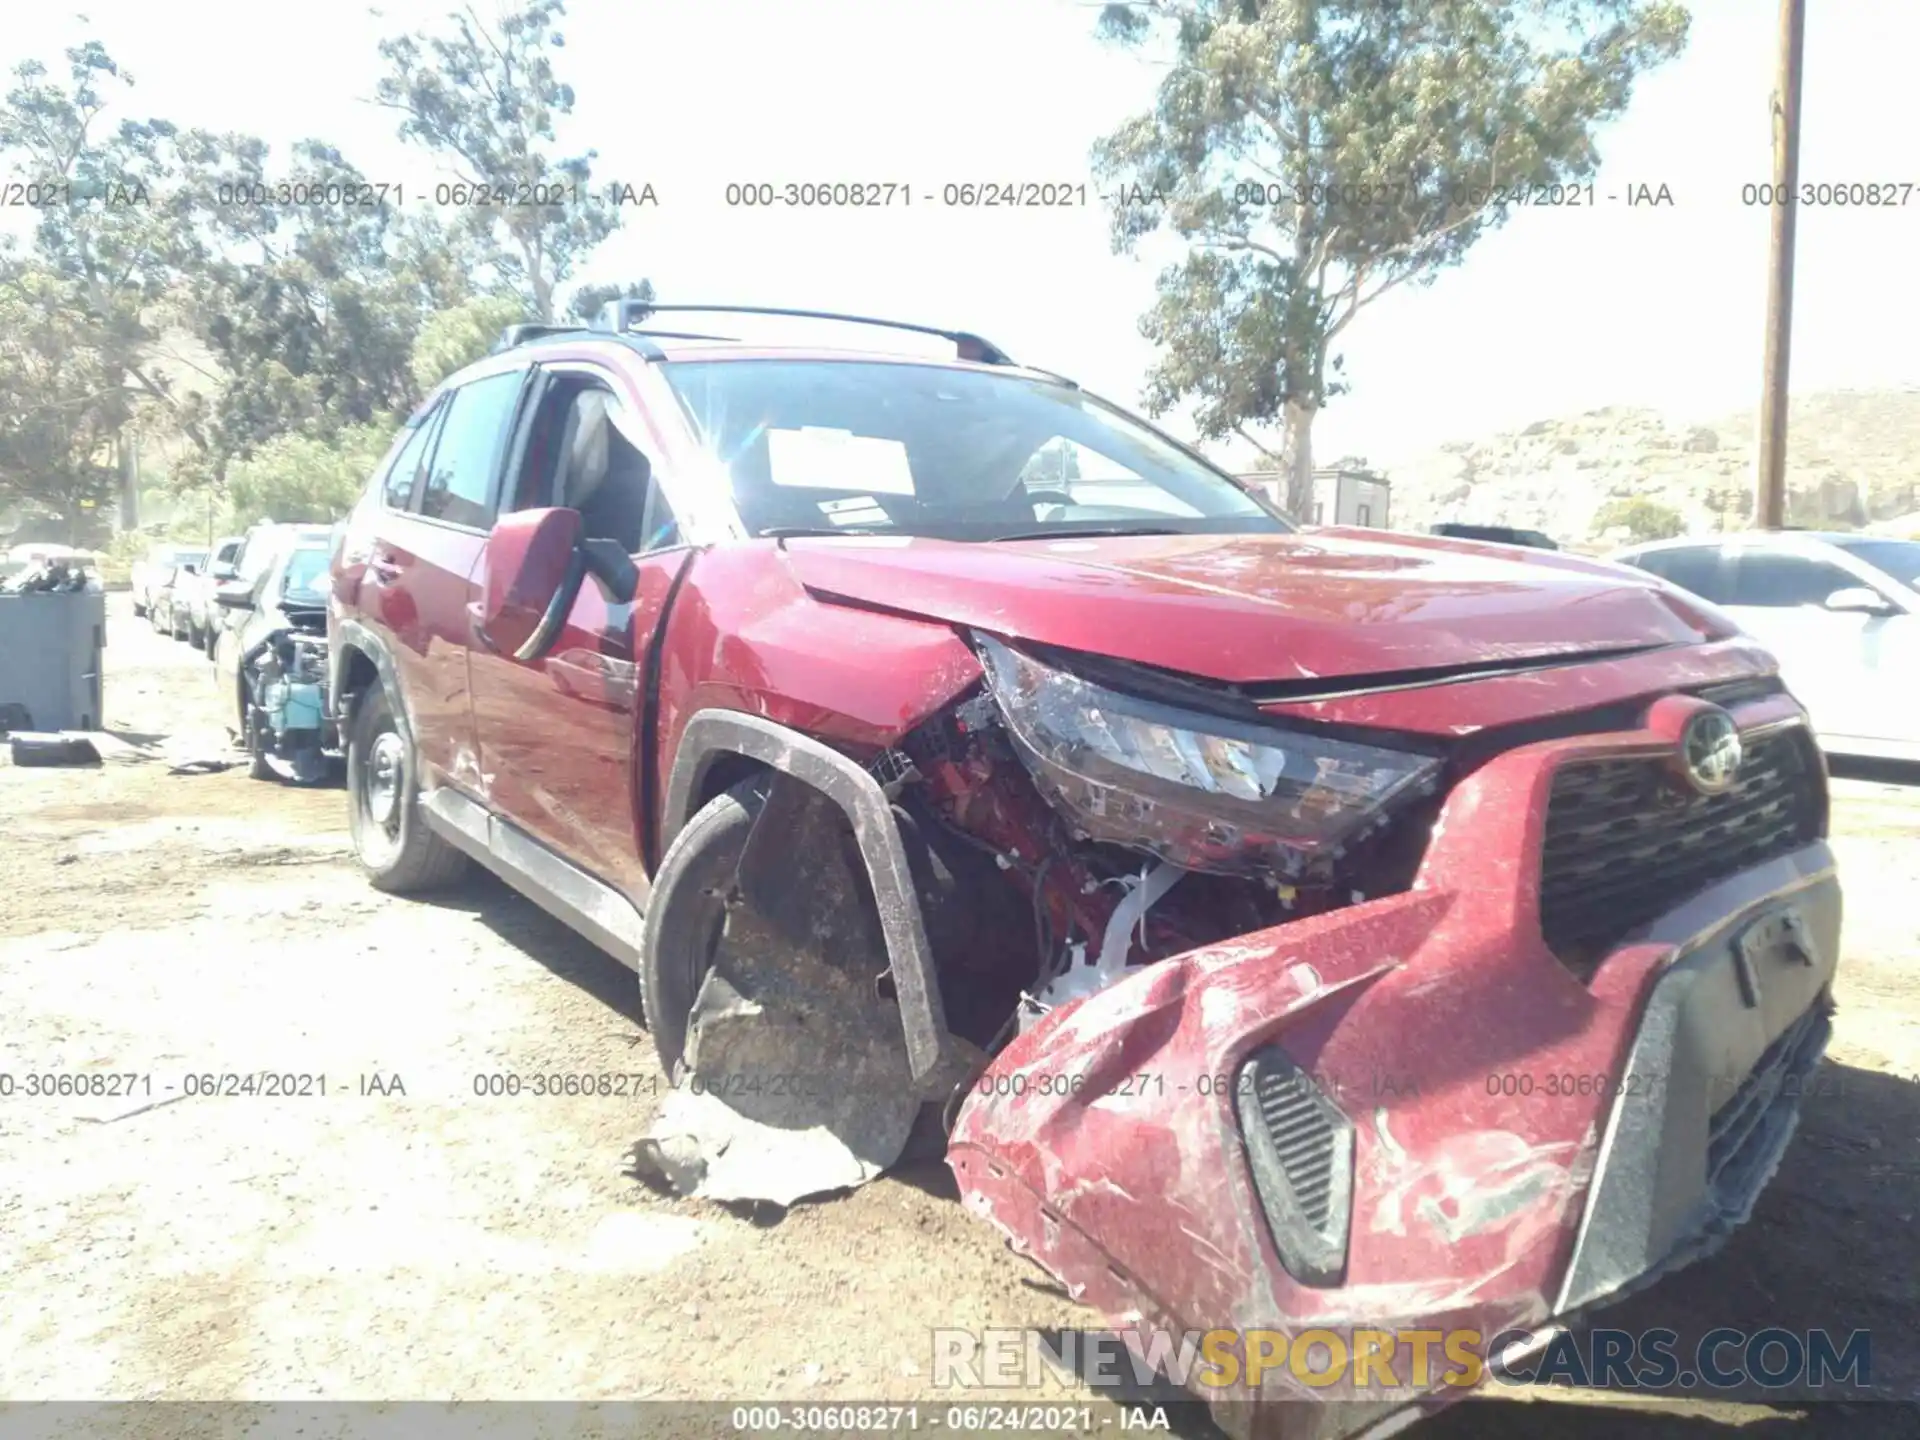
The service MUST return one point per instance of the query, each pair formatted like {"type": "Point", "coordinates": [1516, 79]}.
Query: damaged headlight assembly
{"type": "Point", "coordinates": [1200, 791]}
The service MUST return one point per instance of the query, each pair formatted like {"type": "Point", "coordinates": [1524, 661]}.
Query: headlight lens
{"type": "Point", "coordinates": [1204, 793]}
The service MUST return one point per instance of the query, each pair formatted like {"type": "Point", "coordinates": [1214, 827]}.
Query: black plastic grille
{"type": "Point", "coordinates": [1301, 1149]}
{"type": "Point", "coordinates": [1625, 843]}
{"type": "Point", "coordinates": [1302, 1135]}
{"type": "Point", "coordinates": [1745, 1134]}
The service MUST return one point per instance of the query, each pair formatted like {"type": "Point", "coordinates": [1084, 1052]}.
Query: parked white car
{"type": "Point", "coordinates": [1841, 611]}
{"type": "Point", "coordinates": [152, 571]}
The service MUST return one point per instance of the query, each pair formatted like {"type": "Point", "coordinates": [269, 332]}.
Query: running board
{"type": "Point", "coordinates": [561, 888]}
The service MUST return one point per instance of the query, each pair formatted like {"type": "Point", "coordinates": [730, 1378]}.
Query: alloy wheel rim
{"type": "Point", "coordinates": [386, 772]}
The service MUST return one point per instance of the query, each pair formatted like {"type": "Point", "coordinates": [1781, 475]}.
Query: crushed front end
{"type": "Point", "coordinates": [287, 730]}
{"type": "Point", "coordinates": [1306, 1024]}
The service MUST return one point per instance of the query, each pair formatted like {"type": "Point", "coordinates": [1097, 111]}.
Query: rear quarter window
{"type": "Point", "coordinates": [402, 475]}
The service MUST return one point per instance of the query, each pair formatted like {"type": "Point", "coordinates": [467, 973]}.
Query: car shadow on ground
{"type": "Point", "coordinates": [554, 944]}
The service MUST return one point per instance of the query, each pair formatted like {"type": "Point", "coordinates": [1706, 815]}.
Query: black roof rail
{"type": "Point", "coordinates": [623, 316]}
{"type": "Point", "coordinates": [519, 334]}
{"type": "Point", "coordinates": [516, 335]}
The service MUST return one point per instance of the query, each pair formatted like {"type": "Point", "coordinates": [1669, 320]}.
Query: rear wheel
{"type": "Point", "coordinates": [390, 835]}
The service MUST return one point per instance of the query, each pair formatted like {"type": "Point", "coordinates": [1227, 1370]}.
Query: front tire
{"type": "Point", "coordinates": [688, 913]}
{"type": "Point", "coordinates": [257, 766]}
{"type": "Point", "coordinates": [396, 849]}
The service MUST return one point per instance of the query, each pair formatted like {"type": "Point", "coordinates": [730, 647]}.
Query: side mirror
{"type": "Point", "coordinates": [1858, 600]}
{"type": "Point", "coordinates": [234, 595]}
{"type": "Point", "coordinates": [535, 566]}
{"type": "Point", "coordinates": [225, 570]}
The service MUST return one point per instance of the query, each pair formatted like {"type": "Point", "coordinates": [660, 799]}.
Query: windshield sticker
{"type": "Point", "coordinates": [864, 511]}
{"type": "Point", "coordinates": [813, 458]}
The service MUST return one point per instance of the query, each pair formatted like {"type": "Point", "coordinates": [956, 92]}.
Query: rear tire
{"type": "Point", "coordinates": [390, 836]}
{"type": "Point", "coordinates": [688, 911]}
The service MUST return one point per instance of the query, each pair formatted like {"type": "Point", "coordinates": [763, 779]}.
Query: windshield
{"type": "Point", "coordinates": [1898, 558]}
{"type": "Point", "coordinates": [872, 447]}
{"type": "Point", "coordinates": [306, 577]}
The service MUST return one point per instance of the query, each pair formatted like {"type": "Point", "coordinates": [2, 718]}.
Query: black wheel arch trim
{"type": "Point", "coordinates": [939, 1059]}
{"type": "Point", "coordinates": [346, 636]}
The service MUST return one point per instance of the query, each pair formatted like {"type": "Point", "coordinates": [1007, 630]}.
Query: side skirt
{"type": "Point", "coordinates": [558, 886]}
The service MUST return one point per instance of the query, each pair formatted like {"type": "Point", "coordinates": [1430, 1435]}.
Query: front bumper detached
{"type": "Point", "coordinates": [1519, 1143]}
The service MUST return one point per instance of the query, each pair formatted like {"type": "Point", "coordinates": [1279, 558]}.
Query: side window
{"type": "Point", "coordinates": [1779, 580]}
{"type": "Point", "coordinates": [578, 454]}
{"type": "Point", "coordinates": [1697, 568]}
{"type": "Point", "coordinates": [397, 489]}
{"type": "Point", "coordinates": [466, 457]}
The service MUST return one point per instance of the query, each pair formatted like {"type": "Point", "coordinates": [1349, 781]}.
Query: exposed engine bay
{"type": "Point", "coordinates": [1078, 832]}
{"type": "Point", "coordinates": [286, 729]}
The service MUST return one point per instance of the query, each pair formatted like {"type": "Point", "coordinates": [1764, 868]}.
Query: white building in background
{"type": "Point", "coordinates": [1342, 495]}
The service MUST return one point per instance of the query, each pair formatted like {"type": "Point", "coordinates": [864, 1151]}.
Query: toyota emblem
{"type": "Point", "coordinates": [1711, 752]}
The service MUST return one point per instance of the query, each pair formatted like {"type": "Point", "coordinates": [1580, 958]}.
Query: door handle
{"type": "Point", "coordinates": [384, 568]}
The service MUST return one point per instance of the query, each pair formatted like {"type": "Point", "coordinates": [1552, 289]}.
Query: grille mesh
{"type": "Point", "coordinates": [1300, 1148]}
{"type": "Point", "coordinates": [1303, 1137]}
{"type": "Point", "coordinates": [1739, 1134]}
{"type": "Point", "coordinates": [1624, 844]}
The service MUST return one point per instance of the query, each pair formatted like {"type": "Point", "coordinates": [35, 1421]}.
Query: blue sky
{"type": "Point", "coordinates": [1560, 311]}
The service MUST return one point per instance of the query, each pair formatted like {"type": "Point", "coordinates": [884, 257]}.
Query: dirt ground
{"type": "Point", "coordinates": [402, 1237]}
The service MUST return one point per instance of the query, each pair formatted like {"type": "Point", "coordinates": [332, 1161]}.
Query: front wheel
{"type": "Point", "coordinates": [258, 766]}
{"type": "Point", "coordinates": [686, 920]}
{"type": "Point", "coordinates": [390, 835]}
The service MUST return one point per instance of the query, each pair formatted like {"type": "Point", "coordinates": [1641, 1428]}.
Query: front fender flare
{"type": "Point", "coordinates": [344, 637]}
{"type": "Point", "coordinates": [938, 1059]}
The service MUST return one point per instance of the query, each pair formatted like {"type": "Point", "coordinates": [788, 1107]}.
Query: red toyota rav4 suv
{"type": "Point", "coordinates": [1295, 929]}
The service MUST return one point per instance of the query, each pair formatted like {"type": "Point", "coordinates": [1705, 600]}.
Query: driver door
{"type": "Point", "coordinates": [559, 736]}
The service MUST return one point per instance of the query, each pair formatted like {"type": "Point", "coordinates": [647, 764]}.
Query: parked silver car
{"type": "Point", "coordinates": [155, 569]}
{"type": "Point", "coordinates": [1841, 611]}
{"type": "Point", "coordinates": [195, 595]}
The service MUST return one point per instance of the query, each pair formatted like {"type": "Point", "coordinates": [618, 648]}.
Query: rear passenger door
{"type": "Point", "coordinates": [438, 505]}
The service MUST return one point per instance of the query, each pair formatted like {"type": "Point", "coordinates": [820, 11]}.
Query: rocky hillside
{"type": "Point", "coordinates": [1853, 458]}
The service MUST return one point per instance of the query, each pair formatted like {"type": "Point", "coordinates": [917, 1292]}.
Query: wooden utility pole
{"type": "Point", "coordinates": [1770, 477]}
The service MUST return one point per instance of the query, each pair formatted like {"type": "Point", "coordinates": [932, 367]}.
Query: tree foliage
{"type": "Point", "coordinates": [60, 405]}
{"type": "Point", "coordinates": [306, 478]}
{"type": "Point", "coordinates": [311, 311]}
{"type": "Point", "coordinates": [461, 335]}
{"type": "Point", "coordinates": [1642, 518]}
{"type": "Point", "coordinates": [485, 99]}
{"type": "Point", "coordinates": [311, 326]}
{"type": "Point", "coordinates": [1313, 154]}
{"type": "Point", "coordinates": [101, 257]}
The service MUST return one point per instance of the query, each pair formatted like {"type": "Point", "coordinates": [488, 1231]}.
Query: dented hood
{"type": "Point", "coordinates": [1249, 608]}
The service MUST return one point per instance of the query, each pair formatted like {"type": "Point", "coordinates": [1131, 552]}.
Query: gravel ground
{"type": "Point", "coordinates": [401, 1237]}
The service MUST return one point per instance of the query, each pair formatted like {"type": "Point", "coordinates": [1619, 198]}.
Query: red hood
{"type": "Point", "coordinates": [1246, 608]}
